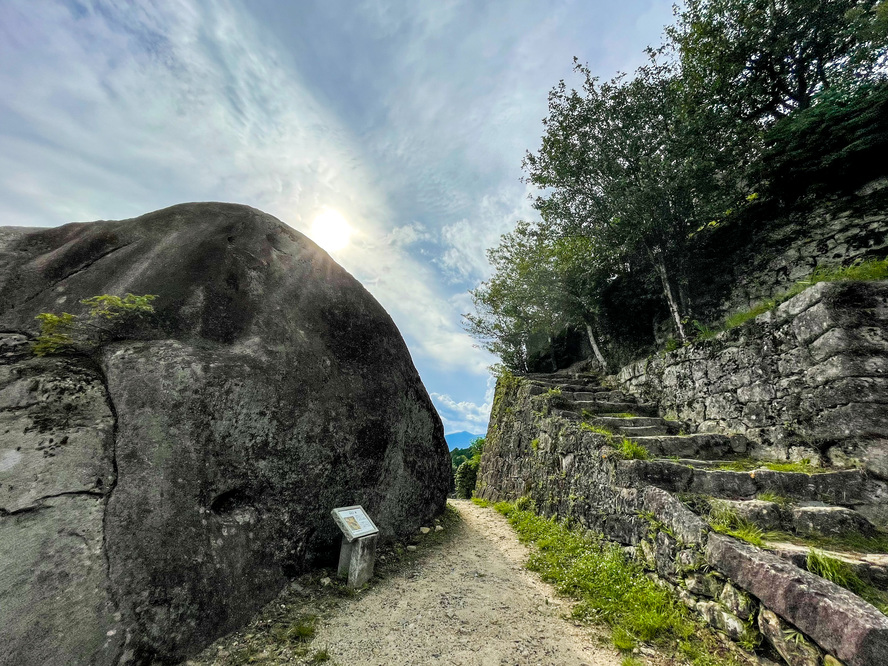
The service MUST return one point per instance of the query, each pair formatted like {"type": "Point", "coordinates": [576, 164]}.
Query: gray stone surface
{"type": "Point", "coordinates": [56, 468]}
{"type": "Point", "coordinates": [739, 603]}
{"type": "Point", "coordinates": [269, 388]}
{"type": "Point", "coordinates": [56, 607]}
{"type": "Point", "coordinates": [722, 620]}
{"type": "Point", "coordinates": [766, 515]}
{"type": "Point", "coordinates": [829, 521]}
{"type": "Point", "coordinates": [843, 624]}
{"type": "Point", "coordinates": [795, 650]}
{"type": "Point", "coordinates": [684, 523]}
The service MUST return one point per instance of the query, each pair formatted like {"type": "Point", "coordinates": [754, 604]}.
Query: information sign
{"type": "Point", "coordinates": [354, 522]}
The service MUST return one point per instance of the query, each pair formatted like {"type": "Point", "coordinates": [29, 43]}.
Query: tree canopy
{"type": "Point", "coordinates": [632, 169]}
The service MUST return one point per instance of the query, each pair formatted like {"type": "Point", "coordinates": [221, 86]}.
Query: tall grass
{"type": "Point", "coordinates": [842, 574]}
{"type": "Point", "coordinates": [726, 520]}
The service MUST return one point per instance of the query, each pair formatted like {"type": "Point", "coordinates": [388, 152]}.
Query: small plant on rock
{"type": "Point", "coordinates": [632, 450]}
{"type": "Point", "coordinates": [726, 520]}
{"type": "Point", "coordinates": [107, 318]}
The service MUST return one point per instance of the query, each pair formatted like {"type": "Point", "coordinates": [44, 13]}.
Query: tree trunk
{"type": "Point", "coordinates": [595, 348]}
{"type": "Point", "coordinates": [660, 265]}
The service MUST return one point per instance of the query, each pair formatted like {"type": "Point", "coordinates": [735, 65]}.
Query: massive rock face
{"type": "Point", "coordinates": [155, 494]}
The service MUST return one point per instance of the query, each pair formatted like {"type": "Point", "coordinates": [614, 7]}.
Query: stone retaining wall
{"type": "Point", "coordinates": [772, 259]}
{"type": "Point", "coordinates": [752, 596]}
{"type": "Point", "coordinates": [806, 380]}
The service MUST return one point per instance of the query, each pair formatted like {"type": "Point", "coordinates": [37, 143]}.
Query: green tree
{"type": "Point", "coordinates": [619, 165]}
{"type": "Point", "coordinates": [543, 284]}
{"type": "Point", "coordinates": [467, 473]}
{"type": "Point", "coordinates": [764, 59]}
{"type": "Point", "coordinates": [517, 304]}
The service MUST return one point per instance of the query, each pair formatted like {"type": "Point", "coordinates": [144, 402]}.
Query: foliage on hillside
{"type": "Point", "coordinates": [749, 104]}
{"type": "Point", "coordinates": [465, 474]}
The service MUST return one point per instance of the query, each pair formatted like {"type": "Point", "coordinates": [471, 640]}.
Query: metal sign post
{"type": "Point", "coordinates": [358, 553]}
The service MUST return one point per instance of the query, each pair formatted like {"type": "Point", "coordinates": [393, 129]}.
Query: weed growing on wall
{"type": "Point", "coordinates": [842, 574]}
{"type": "Point", "coordinates": [726, 520]}
{"type": "Point", "coordinates": [628, 449]}
{"type": "Point", "coordinates": [631, 450]}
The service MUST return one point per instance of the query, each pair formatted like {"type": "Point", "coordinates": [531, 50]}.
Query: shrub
{"type": "Point", "coordinates": [466, 478]}
{"type": "Point", "coordinates": [107, 318]}
{"type": "Point", "coordinates": [631, 450]}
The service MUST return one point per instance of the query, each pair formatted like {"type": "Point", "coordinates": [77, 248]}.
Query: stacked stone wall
{"type": "Point", "coordinates": [807, 380]}
{"type": "Point", "coordinates": [752, 596]}
{"type": "Point", "coordinates": [742, 266]}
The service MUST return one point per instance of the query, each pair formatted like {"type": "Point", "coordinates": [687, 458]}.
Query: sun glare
{"type": "Point", "coordinates": [330, 230]}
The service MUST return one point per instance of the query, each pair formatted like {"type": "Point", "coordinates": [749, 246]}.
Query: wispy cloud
{"type": "Point", "coordinates": [465, 242]}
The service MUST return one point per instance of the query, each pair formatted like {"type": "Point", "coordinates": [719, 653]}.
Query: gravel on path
{"type": "Point", "coordinates": [469, 602]}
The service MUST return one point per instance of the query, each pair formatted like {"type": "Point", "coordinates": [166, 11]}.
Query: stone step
{"type": "Point", "coordinates": [539, 389]}
{"type": "Point", "coordinates": [616, 423]}
{"type": "Point", "coordinates": [805, 519]}
{"type": "Point", "coordinates": [849, 488]}
{"type": "Point", "coordinates": [605, 407]}
{"type": "Point", "coordinates": [701, 446]}
{"type": "Point", "coordinates": [561, 383]}
{"type": "Point", "coordinates": [659, 430]}
{"type": "Point", "coordinates": [601, 396]}
{"type": "Point", "coordinates": [570, 386]}
{"type": "Point", "coordinates": [839, 621]}
{"type": "Point", "coordinates": [871, 567]}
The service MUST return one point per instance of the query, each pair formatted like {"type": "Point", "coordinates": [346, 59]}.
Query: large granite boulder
{"type": "Point", "coordinates": [157, 491]}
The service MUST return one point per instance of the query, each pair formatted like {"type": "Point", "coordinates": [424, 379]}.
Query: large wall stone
{"type": "Point", "coordinates": [750, 263]}
{"type": "Point", "coordinates": [269, 387]}
{"type": "Point", "coordinates": [808, 379]}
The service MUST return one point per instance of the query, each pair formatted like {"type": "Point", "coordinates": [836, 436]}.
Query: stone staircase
{"type": "Point", "coordinates": [791, 509]}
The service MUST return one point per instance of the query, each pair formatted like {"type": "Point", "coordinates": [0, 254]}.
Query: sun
{"type": "Point", "coordinates": [330, 230]}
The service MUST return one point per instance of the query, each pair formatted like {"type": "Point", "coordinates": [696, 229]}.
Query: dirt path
{"type": "Point", "coordinates": [467, 603]}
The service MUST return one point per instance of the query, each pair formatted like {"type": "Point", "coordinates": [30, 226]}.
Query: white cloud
{"type": "Point", "coordinates": [408, 234]}
{"type": "Point", "coordinates": [464, 415]}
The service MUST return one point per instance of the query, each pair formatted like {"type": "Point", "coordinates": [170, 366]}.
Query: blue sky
{"type": "Point", "coordinates": [410, 118]}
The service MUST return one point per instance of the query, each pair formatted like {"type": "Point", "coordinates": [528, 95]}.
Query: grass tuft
{"type": "Point", "coordinates": [631, 450]}
{"type": "Point", "coordinates": [321, 656]}
{"type": "Point", "coordinates": [480, 502]}
{"type": "Point", "coordinates": [598, 430]}
{"type": "Point", "coordinates": [301, 631]}
{"type": "Point", "coordinates": [842, 574]}
{"type": "Point", "coordinates": [748, 465]}
{"type": "Point", "coordinates": [774, 498]}
{"type": "Point", "coordinates": [726, 520]}
{"type": "Point", "coordinates": [834, 570]}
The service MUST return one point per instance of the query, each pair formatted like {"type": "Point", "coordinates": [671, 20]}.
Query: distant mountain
{"type": "Point", "coordinates": [460, 440]}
